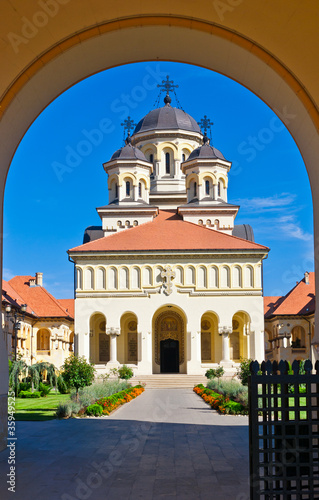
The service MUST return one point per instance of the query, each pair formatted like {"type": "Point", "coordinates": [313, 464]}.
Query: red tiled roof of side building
{"type": "Point", "coordinates": [68, 305]}
{"type": "Point", "coordinates": [270, 304]}
{"type": "Point", "coordinates": [168, 231]}
{"type": "Point", "coordinates": [41, 302]}
{"type": "Point", "coordinates": [300, 300]}
{"type": "Point", "coordinates": [12, 297]}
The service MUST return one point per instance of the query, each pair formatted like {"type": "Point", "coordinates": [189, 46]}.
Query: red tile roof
{"type": "Point", "coordinates": [12, 297]}
{"type": "Point", "coordinates": [300, 300]}
{"type": "Point", "coordinates": [68, 305]}
{"type": "Point", "coordinates": [39, 300]}
{"type": "Point", "coordinates": [168, 231]}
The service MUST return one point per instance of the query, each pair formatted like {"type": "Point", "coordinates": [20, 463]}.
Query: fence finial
{"type": "Point", "coordinates": [254, 367]}
{"type": "Point", "coordinates": [295, 367]}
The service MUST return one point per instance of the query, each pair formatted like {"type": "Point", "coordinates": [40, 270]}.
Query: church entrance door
{"type": "Point", "coordinates": [169, 356]}
{"type": "Point", "coordinates": [169, 342]}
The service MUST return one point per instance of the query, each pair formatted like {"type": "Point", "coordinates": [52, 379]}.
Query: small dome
{"type": "Point", "coordinates": [129, 152]}
{"type": "Point", "coordinates": [206, 152]}
{"type": "Point", "coordinates": [167, 118]}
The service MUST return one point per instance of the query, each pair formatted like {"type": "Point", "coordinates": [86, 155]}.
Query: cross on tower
{"type": "Point", "coordinates": [169, 275]}
{"type": "Point", "coordinates": [167, 85]}
{"type": "Point", "coordinates": [128, 125]}
{"type": "Point", "coordinates": [205, 124]}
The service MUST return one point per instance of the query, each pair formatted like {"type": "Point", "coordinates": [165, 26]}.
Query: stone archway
{"type": "Point", "coordinates": [169, 326]}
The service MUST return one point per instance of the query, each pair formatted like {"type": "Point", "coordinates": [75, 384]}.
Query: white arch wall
{"type": "Point", "coordinates": [160, 42]}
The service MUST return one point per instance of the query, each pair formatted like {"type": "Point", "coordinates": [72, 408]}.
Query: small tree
{"type": "Point", "coordinates": [124, 372]}
{"type": "Point", "coordinates": [77, 372]}
{"type": "Point", "coordinates": [243, 370]}
{"type": "Point", "coordinates": [17, 369]}
{"type": "Point", "coordinates": [215, 373]}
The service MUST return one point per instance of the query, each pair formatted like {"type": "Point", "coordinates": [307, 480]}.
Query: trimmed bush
{"type": "Point", "coordinates": [95, 410]}
{"type": "Point", "coordinates": [124, 372]}
{"type": "Point", "coordinates": [29, 394]}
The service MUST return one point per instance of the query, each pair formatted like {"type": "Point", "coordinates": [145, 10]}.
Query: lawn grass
{"type": "Point", "coordinates": [39, 408]}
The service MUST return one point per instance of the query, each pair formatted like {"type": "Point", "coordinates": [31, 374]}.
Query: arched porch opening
{"type": "Point", "coordinates": [43, 341]}
{"type": "Point", "coordinates": [211, 343]}
{"type": "Point", "coordinates": [169, 340]}
{"type": "Point", "coordinates": [239, 340]}
{"type": "Point", "coordinates": [127, 342]}
{"type": "Point", "coordinates": [99, 341]}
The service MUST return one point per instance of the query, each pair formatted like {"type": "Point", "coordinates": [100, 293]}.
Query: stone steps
{"type": "Point", "coordinates": [169, 381]}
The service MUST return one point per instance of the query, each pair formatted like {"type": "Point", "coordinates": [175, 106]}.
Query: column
{"type": "Point", "coordinates": [200, 192]}
{"type": "Point", "coordinates": [135, 193]}
{"type": "Point", "coordinates": [215, 191]}
{"type": "Point", "coordinates": [113, 348]}
{"type": "Point", "coordinates": [225, 347]}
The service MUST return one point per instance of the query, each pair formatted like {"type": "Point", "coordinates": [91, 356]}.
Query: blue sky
{"type": "Point", "coordinates": [56, 179]}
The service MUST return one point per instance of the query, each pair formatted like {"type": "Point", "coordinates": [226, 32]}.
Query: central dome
{"type": "Point", "coordinates": [167, 118]}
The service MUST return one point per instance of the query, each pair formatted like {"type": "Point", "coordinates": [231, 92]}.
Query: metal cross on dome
{"type": "Point", "coordinates": [167, 85]}
{"type": "Point", "coordinates": [205, 124]}
{"type": "Point", "coordinates": [128, 125]}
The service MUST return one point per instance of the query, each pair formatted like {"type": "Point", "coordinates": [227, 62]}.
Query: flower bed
{"type": "Point", "coordinates": [219, 402]}
{"type": "Point", "coordinates": [110, 403]}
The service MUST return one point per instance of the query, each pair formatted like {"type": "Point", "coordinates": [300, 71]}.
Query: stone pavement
{"type": "Point", "coordinates": [166, 444]}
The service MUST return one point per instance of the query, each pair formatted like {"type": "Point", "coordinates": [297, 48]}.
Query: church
{"type": "Point", "coordinates": [168, 283]}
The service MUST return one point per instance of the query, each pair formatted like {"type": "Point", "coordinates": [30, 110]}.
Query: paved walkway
{"type": "Point", "coordinates": [166, 444]}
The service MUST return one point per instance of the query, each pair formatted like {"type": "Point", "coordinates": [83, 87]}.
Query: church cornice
{"type": "Point", "coordinates": [172, 254]}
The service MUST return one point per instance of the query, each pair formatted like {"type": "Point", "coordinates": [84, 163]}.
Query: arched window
{"type": "Point", "coordinates": [116, 191]}
{"type": "Point", "coordinates": [167, 163]}
{"type": "Point", "coordinates": [195, 188]}
{"type": "Point", "coordinates": [207, 187]}
{"type": "Point", "coordinates": [140, 190]}
{"type": "Point", "coordinates": [151, 158]}
{"type": "Point", "coordinates": [219, 189]}
{"type": "Point", "coordinates": [128, 188]}
{"type": "Point", "coordinates": [183, 157]}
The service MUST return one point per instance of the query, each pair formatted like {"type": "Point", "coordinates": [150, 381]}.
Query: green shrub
{"type": "Point", "coordinates": [88, 395]}
{"type": "Point", "coordinates": [62, 387]}
{"type": "Point", "coordinates": [243, 370]}
{"type": "Point", "coordinates": [63, 411]}
{"type": "Point", "coordinates": [95, 410]}
{"type": "Point", "coordinates": [215, 373]}
{"type": "Point", "coordinates": [78, 373]}
{"type": "Point", "coordinates": [44, 389]}
{"type": "Point", "coordinates": [24, 386]}
{"type": "Point", "coordinates": [125, 373]}
{"type": "Point", "coordinates": [29, 394]}
{"type": "Point", "coordinates": [230, 388]}
{"type": "Point", "coordinates": [234, 408]}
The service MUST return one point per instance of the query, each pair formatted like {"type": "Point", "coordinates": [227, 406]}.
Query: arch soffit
{"type": "Point", "coordinates": [146, 180]}
{"type": "Point", "coordinates": [205, 176]}
{"type": "Point", "coordinates": [256, 54]}
{"type": "Point", "coordinates": [126, 176]}
{"type": "Point", "coordinates": [112, 178]}
{"type": "Point", "coordinates": [167, 308]}
{"type": "Point", "coordinates": [191, 178]}
{"type": "Point", "coordinates": [166, 147]}
{"type": "Point", "coordinates": [211, 314]}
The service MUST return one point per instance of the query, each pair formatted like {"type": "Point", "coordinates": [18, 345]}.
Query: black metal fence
{"type": "Point", "coordinates": [284, 431]}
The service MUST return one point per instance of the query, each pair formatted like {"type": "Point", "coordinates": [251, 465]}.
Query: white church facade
{"type": "Point", "coordinates": [168, 283]}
